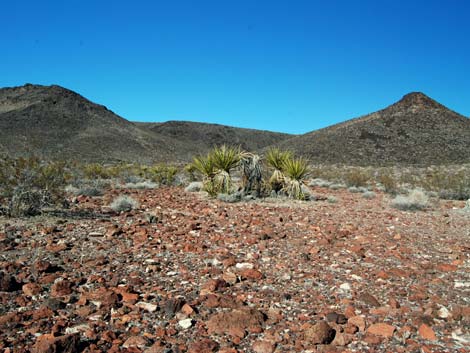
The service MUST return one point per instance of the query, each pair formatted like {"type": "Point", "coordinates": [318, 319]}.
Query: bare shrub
{"type": "Point", "coordinates": [369, 195]}
{"type": "Point", "coordinates": [415, 200]}
{"type": "Point", "coordinates": [124, 204]}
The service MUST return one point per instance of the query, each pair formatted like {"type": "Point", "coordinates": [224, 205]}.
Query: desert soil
{"type": "Point", "coordinates": [187, 274]}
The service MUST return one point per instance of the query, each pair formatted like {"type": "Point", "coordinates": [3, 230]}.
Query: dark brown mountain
{"type": "Point", "coordinates": [54, 122]}
{"type": "Point", "coordinates": [203, 136]}
{"type": "Point", "coordinates": [417, 130]}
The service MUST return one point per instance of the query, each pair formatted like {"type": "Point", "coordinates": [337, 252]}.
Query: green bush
{"type": "Point", "coordinates": [28, 185]}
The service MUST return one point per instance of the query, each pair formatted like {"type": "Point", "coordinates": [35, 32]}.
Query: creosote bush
{"type": "Point", "coordinates": [28, 185]}
{"type": "Point", "coordinates": [415, 200]}
{"type": "Point", "coordinates": [124, 203]}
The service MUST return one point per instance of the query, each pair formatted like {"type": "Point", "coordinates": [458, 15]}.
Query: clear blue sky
{"type": "Point", "coordinates": [291, 66]}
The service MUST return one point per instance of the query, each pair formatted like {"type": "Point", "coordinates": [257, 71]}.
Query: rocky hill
{"type": "Point", "coordinates": [203, 136]}
{"type": "Point", "coordinates": [54, 122]}
{"type": "Point", "coordinates": [416, 130]}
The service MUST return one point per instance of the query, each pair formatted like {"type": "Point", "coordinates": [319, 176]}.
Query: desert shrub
{"type": "Point", "coordinates": [415, 200]}
{"type": "Point", "coordinates": [146, 184]}
{"type": "Point", "coordinates": [95, 171]}
{"type": "Point", "coordinates": [124, 203]}
{"type": "Point", "coordinates": [332, 199]}
{"type": "Point", "coordinates": [163, 174]}
{"type": "Point", "coordinates": [194, 186]}
{"type": "Point", "coordinates": [337, 186]}
{"type": "Point", "coordinates": [388, 182]}
{"type": "Point", "coordinates": [369, 195]}
{"type": "Point", "coordinates": [190, 170]}
{"type": "Point", "coordinates": [230, 198]}
{"type": "Point", "coordinates": [354, 189]}
{"type": "Point", "coordinates": [320, 183]}
{"type": "Point", "coordinates": [28, 185]}
{"type": "Point", "coordinates": [356, 177]}
{"type": "Point", "coordinates": [205, 165]}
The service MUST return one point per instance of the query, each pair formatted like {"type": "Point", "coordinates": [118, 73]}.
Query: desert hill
{"type": "Point", "coordinates": [54, 122]}
{"type": "Point", "coordinates": [416, 130]}
{"type": "Point", "coordinates": [202, 136]}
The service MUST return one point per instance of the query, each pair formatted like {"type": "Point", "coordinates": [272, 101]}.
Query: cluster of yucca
{"type": "Point", "coordinates": [216, 167]}
{"type": "Point", "coordinates": [288, 174]}
{"type": "Point", "coordinates": [288, 171]}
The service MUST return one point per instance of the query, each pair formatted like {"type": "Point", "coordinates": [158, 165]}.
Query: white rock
{"type": "Point", "coordinates": [461, 284]}
{"type": "Point", "coordinates": [345, 287]}
{"type": "Point", "coordinates": [76, 329]}
{"type": "Point", "coordinates": [185, 324]}
{"type": "Point", "coordinates": [244, 266]}
{"type": "Point", "coordinates": [147, 306]}
{"type": "Point", "coordinates": [443, 313]}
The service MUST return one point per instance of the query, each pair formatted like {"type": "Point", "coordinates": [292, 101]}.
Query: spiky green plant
{"type": "Point", "coordinates": [276, 158]}
{"type": "Point", "coordinates": [295, 169]}
{"type": "Point", "coordinates": [206, 166]}
{"type": "Point", "coordinates": [226, 158]}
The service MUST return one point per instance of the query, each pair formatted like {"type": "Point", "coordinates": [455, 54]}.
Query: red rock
{"type": "Point", "coordinates": [263, 347]}
{"type": "Point", "coordinates": [358, 321]}
{"type": "Point", "coordinates": [320, 333]}
{"type": "Point", "coordinates": [136, 341]}
{"type": "Point", "coordinates": [203, 346]}
{"type": "Point", "coordinates": [381, 329]}
{"type": "Point", "coordinates": [235, 322]}
{"type": "Point", "coordinates": [63, 344]}
{"type": "Point", "coordinates": [427, 333]}
{"type": "Point", "coordinates": [31, 289]}
{"type": "Point", "coordinates": [61, 288]}
{"type": "Point", "coordinates": [446, 268]}
{"type": "Point", "coordinates": [369, 299]}
{"type": "Point", "coordinates": [187, 309]}
{"type": "Point", "coordinates": [250, 273]}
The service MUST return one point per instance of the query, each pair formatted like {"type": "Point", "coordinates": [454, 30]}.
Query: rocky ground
{"type": "Point", "coordinates": [187, 274]}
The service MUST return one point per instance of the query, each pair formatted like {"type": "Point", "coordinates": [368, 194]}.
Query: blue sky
{"type": "Point", "coordinates": [291, 66]}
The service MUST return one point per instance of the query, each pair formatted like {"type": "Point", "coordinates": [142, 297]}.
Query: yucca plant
{"type": "Point", "coordinates": [225, 159]}
{"type": "Point", "coordinates": [206, 166]}
{"type": "Point", "coordinates": [276, 158]}
{"type": "Point", "coordinates": [252, 174]}
{"type": "Point", "coordinates": [295, 169]}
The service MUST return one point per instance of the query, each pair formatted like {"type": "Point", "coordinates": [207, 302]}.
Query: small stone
{"type": "Point", "coordinates": [263, 347]}
{"type": "Point", "coordinates": [64, 344]}
{"type": "Point", "coordinates": [427, 332]}
{"type": "Point", "coordinates": [443, 313]}
{"type": "Point", "coordinates": [369, 299]}
{"type": "Point", "coordinates": [381, 329]}
{"type": "Point", "coordinates": [136, 341]}
{"type": "Point", "coordinates": [244, 266]}
{"type": "Point", "coordinates": [60, 288]}
{"type": "Point", "coordinates": [31, 289]}
{"type": "Point", "coordinates": [203, 346]}
{"type": "Point", "coordinates": [251, 274]}
{"type": "Point", "coordinates": [345, 287]}
{"type": "Point", "coordinates": [8, 283]}
{"type": "Point", "coordinates": [185, 324]}
{"type": "Point", "coordinates": [187, 309]}
{"type": "Point", "coordinates": [147, 306]}
{"type": "Point", "coordinates": [320, 333]}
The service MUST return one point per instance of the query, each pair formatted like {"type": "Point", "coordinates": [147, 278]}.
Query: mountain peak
{"type": "Point", "coordinates": [418, 100]}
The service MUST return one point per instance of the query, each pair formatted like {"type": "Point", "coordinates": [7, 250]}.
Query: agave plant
{"type": "Point", "coordinates": [295, 169]}
{"type": "Point", "coordinates": [276, 158]}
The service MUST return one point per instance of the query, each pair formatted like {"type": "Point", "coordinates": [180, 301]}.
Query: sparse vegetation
{"type": "Point", "coordinates": [415, 200]}
{"type": "Point", "coordinates": [124, 203]}
{"type": "Point", "coordinates": [28, 185]}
